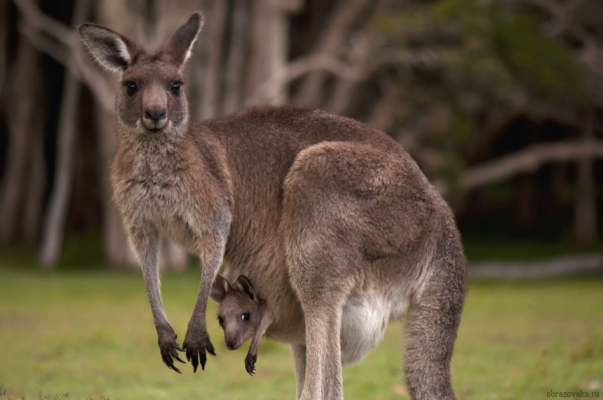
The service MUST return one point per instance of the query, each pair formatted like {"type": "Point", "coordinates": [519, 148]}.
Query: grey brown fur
{"type": "Point", "coordinates": [331, 220]}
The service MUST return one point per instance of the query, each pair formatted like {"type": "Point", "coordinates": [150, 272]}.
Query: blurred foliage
{"type": "Point", "coordinates": [490, 58]}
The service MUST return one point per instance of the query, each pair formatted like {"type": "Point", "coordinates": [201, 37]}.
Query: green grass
{"type": "Point", "coordinates": [91, 334]}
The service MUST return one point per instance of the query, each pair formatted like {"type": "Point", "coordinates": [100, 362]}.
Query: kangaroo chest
{"type": "Point", "coordinates": [161, 198]}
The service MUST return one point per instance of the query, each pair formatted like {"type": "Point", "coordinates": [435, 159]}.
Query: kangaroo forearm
{"type": "Point", "coordinates": [154, 295]}
{"type": "Point", "coordinates": [253, 348]}
{"type": "Point", "coordinates": [145, 242]}
{"type": "Point", "coordinates": [264, 324]}
{"type": "Point", "coordinates": [210, 267]}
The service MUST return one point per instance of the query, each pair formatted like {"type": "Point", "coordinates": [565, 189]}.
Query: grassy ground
{"type": "Point", "coordinates": [91, 334]}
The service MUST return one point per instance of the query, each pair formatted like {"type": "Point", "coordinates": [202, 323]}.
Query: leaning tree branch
{"type": "Point", "coordinates": [351, 72]}
{"type": "Point", "coordinates": [526, 160]}
{"type": "Point", "coordinates": [332, 38]}
{"type": "Point", "coordinates": [72, 57]}
{"type": "Point", "coordinates": [52, 27]}
{"type": "Point", "coordinates": [301, 67]}
{"type": "Point", "coordinates": [50, 47]}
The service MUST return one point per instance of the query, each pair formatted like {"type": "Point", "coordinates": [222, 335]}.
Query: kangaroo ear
{"type": "Point", "coordinates": [110, 49]}
{"type": "Point", "coordinates": [178, 48]}
{"type": "Point", "coordinates": [219, 289]}
{"type": "Point", "coordinates": [242, 283]}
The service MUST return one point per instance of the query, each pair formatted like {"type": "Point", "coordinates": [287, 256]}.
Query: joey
{"type": "Point", "coordinates": [242, 315]}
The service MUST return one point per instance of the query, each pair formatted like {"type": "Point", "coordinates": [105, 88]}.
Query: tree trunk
{"type": "Point", "coordinates": [116, 248]}
{"type": "Point", "coordinates": [269, 45]}
{"type": "Point", "coordinates": [20, 114]}
{"type": "Point", "coordinates": [54, 225]}
{"type": "Point", "coordinates": [3, 44]}
{"type": "Point", "coordinates": [33, 212]}
{"type": "Point", "coordinates": [585, 207]}
{"type": "Point", "coordinates": [234, 92]}
{"type": "Point", "coordinates": [552, 198]}
{"type": "Point", "coordinates": [524, 200]}
{"type": "Point", "coordinates": [172, 257]}
{"type": "Point", "coordinates": [212, 65]}
{"type": "Point", "coordinates": [331, 41]}
{"type": "Point", "coordinates": [342, 96]}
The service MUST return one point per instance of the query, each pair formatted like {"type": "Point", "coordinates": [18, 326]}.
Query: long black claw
{"type": "Point", "coordinates": [210, 350]}
{"type": "Point", "coordinates": [203, 359]}
{"type": "Point", "coordinates": [195, 363]}
{"type": "Point", "coordinates": [170, 363]}
{"type": "Point", "coordinates": [179, 348]}
{"type": "Point", "coordinates": [178, 358]}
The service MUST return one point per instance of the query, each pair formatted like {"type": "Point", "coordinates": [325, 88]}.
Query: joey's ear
{"type": "Point", "coordinates": [110, 49]}
{"type": "Point", "coordinates": [219, 289]}
{"type": "Point", "coordinates": [243, 284]}
{"type": "Point", "coordinates": [178, 48]}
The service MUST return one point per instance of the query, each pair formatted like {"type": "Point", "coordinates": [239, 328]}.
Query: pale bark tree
{"type": "Point", "coordinates": [331, 41]}
{"type": "Point", "coordinates": [212, 64]}
{"type": "Point", "coordinates": [269, 46]}
{"type": "Point", "coordinates": [361, 43]}
{"type": "Point", "coordinates": [54, 225]}
{"type": "Point", "coordinates": [237, 54]}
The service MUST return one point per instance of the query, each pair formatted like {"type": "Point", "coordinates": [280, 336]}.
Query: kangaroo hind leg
{"type": "Point", "coordinates": [432, 322]}
{"type": "Point", "coordinates": [323, 376]}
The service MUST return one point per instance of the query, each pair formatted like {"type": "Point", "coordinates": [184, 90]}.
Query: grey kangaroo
{"type": "Point", "coordinates": [332, 220]}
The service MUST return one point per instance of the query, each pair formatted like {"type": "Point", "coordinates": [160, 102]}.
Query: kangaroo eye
{"type": "Point", "coordinates": [245, 317]}
{"type": "Point", "coordinates": [176, 87]}
{"type": "Point", "coordinates": [220, 320]}
{"type": "Point", "coordinates": [130, 87]}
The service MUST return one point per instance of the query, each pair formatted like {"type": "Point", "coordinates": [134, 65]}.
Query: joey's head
{"type": "Point", "coordinates": [151, 99]}
{"type": "Point", "coordinates": [239, 313]}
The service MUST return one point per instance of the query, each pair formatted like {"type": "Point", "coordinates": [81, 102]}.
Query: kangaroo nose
{"type": "Point", "coordinates": [155, 114]}
{"type": "Point", "coordinates": [231, 345]}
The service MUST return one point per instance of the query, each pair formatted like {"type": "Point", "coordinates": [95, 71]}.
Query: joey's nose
{"type": "Point", "coordinates": [155, 114]}
{"type": "Point", "coordinates": [231, 345]}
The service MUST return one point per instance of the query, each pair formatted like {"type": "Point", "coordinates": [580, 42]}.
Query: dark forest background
{"type": "Point", "coordinates": [499, 101]}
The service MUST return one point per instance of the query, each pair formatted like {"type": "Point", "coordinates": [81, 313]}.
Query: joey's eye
{"type": "Point", "coordinates": [176, 87]}
{"type": "Point", "coordinates": [131, 87]}
{"type": "Point", "coordinates": [245, 317]}
{"type": "Point", "coordinates": [220, 320]}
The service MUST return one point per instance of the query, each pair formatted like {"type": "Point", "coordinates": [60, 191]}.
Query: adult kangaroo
{"type": "Point", "coordinates": [332, 213]}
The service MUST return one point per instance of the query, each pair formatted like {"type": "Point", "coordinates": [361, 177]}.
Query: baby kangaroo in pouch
{"type": "Point", "coordinates": [331, 220]}
{"type": "Point", "coordinates": [242, 316]}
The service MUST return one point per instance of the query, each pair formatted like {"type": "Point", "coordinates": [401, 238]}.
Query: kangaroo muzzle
{"type": "Point", "coordinates": [154, 110]}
